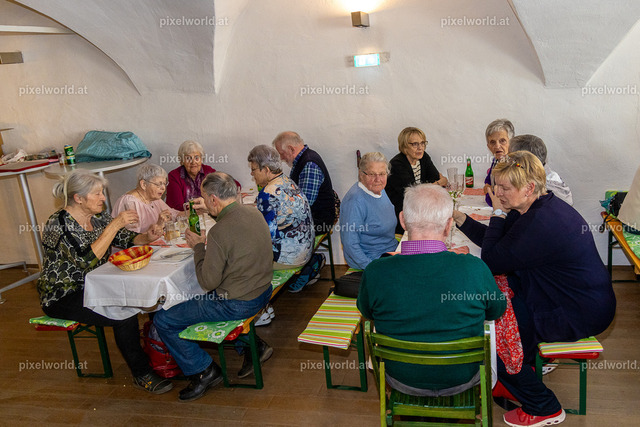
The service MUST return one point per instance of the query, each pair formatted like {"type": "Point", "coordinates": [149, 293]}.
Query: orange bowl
{"type": "Point", "coordinates": [133, 258]}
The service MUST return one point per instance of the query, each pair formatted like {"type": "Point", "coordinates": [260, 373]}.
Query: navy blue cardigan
{"type": "Point", "coordinates": [552, 263]}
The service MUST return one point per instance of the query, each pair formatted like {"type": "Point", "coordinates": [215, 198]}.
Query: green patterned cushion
{"type": "Point", "coordinates": [633, 240]}
{"type": "Point", "coordinates": [280, 277]}
{"type": "Point", "coordinates": [317, 241]}
{"type": "Point", "coordinates": [353, 270]}
{"type": "Point", "coordinates": [52, 321]}
{"type": "Point", "coordinates": [210, 331]}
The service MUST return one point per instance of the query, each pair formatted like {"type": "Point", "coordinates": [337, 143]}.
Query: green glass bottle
{"type": "Point", "coordinates": [194, 219]}
{"type": "Point", "coordinates": [468, 174]}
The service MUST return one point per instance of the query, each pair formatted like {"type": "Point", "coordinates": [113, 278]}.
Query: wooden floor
{"type": "Point", "coordinates": [294, 393]}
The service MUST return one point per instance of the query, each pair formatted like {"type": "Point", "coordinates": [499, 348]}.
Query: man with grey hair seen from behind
{"type": "Point", "coordinates": [418, 295]}
{"type": "Point", "coordinates": [535, 145]}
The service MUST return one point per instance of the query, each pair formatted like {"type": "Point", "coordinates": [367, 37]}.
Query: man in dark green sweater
{"type": "Point", "coordinates": [428, 294]}
{"type": "Point", "coordinates": [236, 267]}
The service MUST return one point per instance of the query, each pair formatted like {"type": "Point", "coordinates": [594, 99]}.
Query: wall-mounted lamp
{"type": "Point", "coordinates": [367, 60]}
{"type": "Point", "coordinates": [360, 19]}
{"type": "Point", "coordinates": [11, 58]}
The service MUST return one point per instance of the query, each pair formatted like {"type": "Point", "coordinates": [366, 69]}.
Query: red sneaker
{"type": "Point", "coordinates": [518, 418]}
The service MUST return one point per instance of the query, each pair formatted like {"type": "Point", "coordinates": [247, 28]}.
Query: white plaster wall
{"type": "Point", "coordinates": [449, 81]}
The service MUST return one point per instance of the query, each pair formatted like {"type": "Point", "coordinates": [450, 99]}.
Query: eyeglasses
{"type": "Point", "coordinates": [158, 184]}
{"type": "Point", "coordinates": [375, 175]}
{"type": "Point", "coordinates": [415, 145]}
{"type": "Point", "coordinates": [191, 159]}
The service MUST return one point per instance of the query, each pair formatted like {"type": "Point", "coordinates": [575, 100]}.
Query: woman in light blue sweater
{"type": "Point", "coordinates": [367, 217]}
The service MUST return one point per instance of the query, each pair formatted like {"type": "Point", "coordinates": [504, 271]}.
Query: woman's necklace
{"type": "Point", "coordinates": [82, 219]}
{"type": "Point", "coordinates": [142, 197]}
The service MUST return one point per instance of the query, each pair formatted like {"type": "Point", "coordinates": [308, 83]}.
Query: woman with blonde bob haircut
{"type": "Point", "coordinates": [411, 166]}
{"type": "Point", "coordinates": [562, 290]}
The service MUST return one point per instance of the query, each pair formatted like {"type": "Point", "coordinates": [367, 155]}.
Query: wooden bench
{"type": "Point", "coordinates": [579, 351]}
{"type": "Point", "coordinates": [77, 330]}
{"type": "Point", "coordinates": [337, 323]}
{"type": "Point", "coordinates": [616, 238]}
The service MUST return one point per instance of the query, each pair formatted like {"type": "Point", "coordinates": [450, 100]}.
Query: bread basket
{"type": "Point", "coordinates": [133, 258]}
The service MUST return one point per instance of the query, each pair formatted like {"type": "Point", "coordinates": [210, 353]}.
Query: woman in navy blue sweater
{"type": "Point", "coordinates": [562, 289]}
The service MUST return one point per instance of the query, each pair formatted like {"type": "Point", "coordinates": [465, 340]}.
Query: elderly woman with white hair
{"type": "Point", "coordinates": [146, 199]}
{"type": "Point", "coordinates": [367, 217]}
{"type": "Point", "coordinates": [284, 207]}
{"type": "Point", "coordinates": [76, 240]}
{"type": "Point", "coordinates": [498, 134]}
{"type": "Point", "coordinates": [184, 181]}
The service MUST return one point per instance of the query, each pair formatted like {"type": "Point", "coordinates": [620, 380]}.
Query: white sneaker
{"type": "Point", "coordinates": [264, 319]}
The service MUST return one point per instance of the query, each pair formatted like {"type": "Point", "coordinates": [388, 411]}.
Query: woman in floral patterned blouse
{"type": "Point", "coordinates": [76, 240]}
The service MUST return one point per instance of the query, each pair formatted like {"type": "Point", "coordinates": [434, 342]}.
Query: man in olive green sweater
{"type": "Point", "coordinates": [428, 294]}
{"type": "Point", "coordinates": [236, 267]}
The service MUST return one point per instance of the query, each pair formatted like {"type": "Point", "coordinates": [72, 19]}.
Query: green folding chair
{"type": "Point", "coordinates": [472, 404]}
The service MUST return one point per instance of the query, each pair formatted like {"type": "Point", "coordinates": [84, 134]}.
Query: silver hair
{"type": "Point", "coordinates": [288, 139]}
{"type": "Point", "coordinates": [498, 125]}
{"type": "Point", "coordinates": [80, 182]}
{"type": "Point", "coordinates": [427, 207]}
{"type": "Point", "coordinates": [530, 143]}
{"type": "Point", "coordinates": [189, 146]}
{"type": "Point", "coordinates": [373, 157]}
{"type": "Point", "coordinates": [221, 185]}
{"type": "Point", "coordinates": [265, 156]}
{"type": "Point", "coordinates": [149, 171]}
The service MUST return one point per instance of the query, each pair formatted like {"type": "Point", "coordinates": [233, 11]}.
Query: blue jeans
{"type": "Point", "coordinates": [208, 308]}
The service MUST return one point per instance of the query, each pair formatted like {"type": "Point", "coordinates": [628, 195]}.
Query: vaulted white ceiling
{"type": "Point", "coordinates": [571, 38]}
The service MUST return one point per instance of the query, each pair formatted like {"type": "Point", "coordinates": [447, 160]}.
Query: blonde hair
{"type": "Point", "coordinates": [405, 134]}
{"type": "Point", "coordinates": [521, 168]}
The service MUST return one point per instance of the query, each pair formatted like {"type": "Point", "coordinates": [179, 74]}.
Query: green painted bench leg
{"type": "Point", "coordinates": [255, 356]}
{"type": "Point", "coordinates": [362, 366]}
{"type": "Point", "coordinates": [223, 365]}
{"type": "Point", "coordinates": [582, 409]}
{"type": "Point", "coordinates": [98, 333]}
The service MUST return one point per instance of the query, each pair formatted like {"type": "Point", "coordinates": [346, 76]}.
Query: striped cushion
{"type": "Point", "coordinates": [585, 345]}
{"type": "Point", "coordinates": [334, 323]}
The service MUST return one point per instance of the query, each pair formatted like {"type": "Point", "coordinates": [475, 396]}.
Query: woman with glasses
{"type": "Point", "coordinates": [146, 199]}
{"type": "Point", "coordinates": [184, 181]}
{"type": "Point", "coordinates": [562, 290]}
{"type": "Point", "coordinates": [411, 166]}
{"type": "Point", "coordinates": [367, 220]}
{"type": "Point", "coordinates": [498, 134]}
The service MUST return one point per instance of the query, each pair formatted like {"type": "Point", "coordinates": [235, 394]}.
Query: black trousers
{"type": "Point", "coordinates": [126, 332]}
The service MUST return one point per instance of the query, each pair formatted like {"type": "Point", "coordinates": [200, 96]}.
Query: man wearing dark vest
{"type": "Point", "coordinates": [310, 173]}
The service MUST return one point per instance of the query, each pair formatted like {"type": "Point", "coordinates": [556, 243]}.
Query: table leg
{"type": "Point", "coordinates": [32, 216]}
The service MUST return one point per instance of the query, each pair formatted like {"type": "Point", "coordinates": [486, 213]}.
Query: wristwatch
{"type": "Point", "coordinates": [499, 212]}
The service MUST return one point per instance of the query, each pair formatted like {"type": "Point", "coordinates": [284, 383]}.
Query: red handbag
{"type": "Point", "coordinates": [160, 359]}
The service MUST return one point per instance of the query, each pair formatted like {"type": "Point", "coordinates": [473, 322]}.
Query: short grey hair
{"type": "Point", "coordinates": [530, 143]}
{"type": "Point", "coordinates": [265, 157]}
{"type": "Point", "coordinates": [221, 185]}
{"type": "Point", "coordinates": [288, 139]}
{"type": "Point", "coordinates": [373, 157]}
{"type": "Point", "coordinates": [80, 182]}
{"type": "Point", "coordinates": [189, 146]}
{"type": "Point", "coordinates": [427, 207]}
{"type": "Point", "coordinates": [149, 171]}
{"type": "Point", "coordinates": [498, 125]}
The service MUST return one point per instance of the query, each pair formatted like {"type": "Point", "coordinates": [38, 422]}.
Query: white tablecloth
{"type": "Point", "coordinates": [119, 294]}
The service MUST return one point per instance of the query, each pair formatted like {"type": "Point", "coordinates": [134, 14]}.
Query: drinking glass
{"type": "Point", "coordinates": [459, 182]}
{"type": "Point", "coordinates": [451, 174]}
{"type": "Point", "coordinates": [171, 232]}
{"type": "Point", "coordinates": [130, 206]}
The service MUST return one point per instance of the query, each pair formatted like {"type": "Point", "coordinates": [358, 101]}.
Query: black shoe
{"type": "Point", "coordinates": [153, 383]}
{"type": "Point", "coordinates": [265, 352]}
{"type": "Point", "coordinates": [200, 383]}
